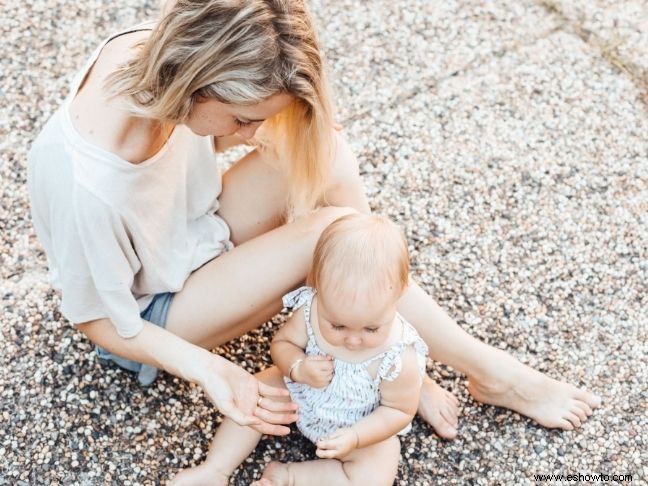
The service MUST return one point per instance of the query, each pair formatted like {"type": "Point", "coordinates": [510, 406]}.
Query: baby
{"type": "Point", "coordinates": [352, 364]}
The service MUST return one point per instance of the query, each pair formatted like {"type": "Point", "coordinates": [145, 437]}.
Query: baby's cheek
{"type": "Point", "coordinates": [379, 338]}
{"type": "Point", "coordinates": [329, 336]}
{"type": "Point", "coordinates": [335, 340]}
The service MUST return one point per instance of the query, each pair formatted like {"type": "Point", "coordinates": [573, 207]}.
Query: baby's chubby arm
{"type": "Point", "coordinates": [398, 405]}
{"type": "Point", "coordinates": [287, 349]}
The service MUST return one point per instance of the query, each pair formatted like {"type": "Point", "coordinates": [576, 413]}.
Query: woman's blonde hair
{"type": "Point", "coordinates": [241, 52]}
{"type": "Point", "coordinates": [360, 253]}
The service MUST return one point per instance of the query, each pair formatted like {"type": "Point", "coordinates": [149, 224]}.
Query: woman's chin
{"type": "Point", "coordinates": [200, 133]}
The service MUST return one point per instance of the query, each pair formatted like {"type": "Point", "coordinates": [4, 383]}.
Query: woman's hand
{"type": "Point", "coordinates": [338, 444]}
{"type": "Point", "coordinates": [240, 396]}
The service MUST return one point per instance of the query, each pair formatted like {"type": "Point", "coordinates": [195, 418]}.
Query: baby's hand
{"type": "Point", "coordinates": [338, 444]}
{"type": "Point", "coordinates": [315, 371]}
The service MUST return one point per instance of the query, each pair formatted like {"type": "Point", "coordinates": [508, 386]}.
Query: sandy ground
{"type": "Point", "coordinates": [507, 137]}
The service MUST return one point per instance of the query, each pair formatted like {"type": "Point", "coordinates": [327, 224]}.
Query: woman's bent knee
{"type": "Point", "coordinates": [308, 227]}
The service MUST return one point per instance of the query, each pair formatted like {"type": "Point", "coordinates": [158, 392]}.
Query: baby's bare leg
{"type": "Point", "coordinates": [376, 465]}
{"type": "Point", "coordinates": [232, 444]}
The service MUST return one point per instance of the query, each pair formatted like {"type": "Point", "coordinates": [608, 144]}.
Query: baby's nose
{"type": "Point", "coordinates": [353, 340]}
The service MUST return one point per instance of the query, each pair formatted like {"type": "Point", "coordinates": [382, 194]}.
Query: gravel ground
{"type": "Point", "coordinates": [512, 148]}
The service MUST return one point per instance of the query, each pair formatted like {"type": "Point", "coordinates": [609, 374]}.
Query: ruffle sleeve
{"type": "Point", "coordinates": [392, 363]}
{"type": "Point", "coordinates": [111, 262]}
{"type": "Point", "coordinates": [86, 247]}
{"type": "Point", "coordinates": [297, 298]}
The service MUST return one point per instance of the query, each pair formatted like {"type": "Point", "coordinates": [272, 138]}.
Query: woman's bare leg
{"type": "Point", "coordinates": [376, 465]}
{"type": "Point", "coordinates": [232, 444]}
{"type": "Point", "coordinates": [220, 300]}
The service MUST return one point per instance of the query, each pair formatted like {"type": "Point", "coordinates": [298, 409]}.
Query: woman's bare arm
{"type": "Point", "coordinates": [234, 391]}
{"type": "Point", "coordinates": [153, 346]}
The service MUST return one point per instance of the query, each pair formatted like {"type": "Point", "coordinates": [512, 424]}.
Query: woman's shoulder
{"type": "Point", "coordinates": [101, 119]}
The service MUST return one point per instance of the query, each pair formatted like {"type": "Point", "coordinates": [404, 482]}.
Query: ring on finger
{"type": "Point", "coordinates": [259, 401]}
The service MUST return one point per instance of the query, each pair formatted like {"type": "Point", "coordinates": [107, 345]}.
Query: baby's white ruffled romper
{"type": "Point", "coordinates": [353, 393]}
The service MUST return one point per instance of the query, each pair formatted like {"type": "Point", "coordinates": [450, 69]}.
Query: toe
{"type": "Point", "coordinates": [580, 413]}
{"type": "Point", "coordinates": [573, 418]}
{"type": "Point", "coordinates": [565, 424]}
{"type": "Point", "coordinates": [590, 398]}
{"type": "Point", "coordinates": [584, 407]}
{"type": "Point", "coordinates": [452, 399]}
{"type": "Point", "coordinates": [446, 431]}
{"type": "Point", "coordinates": [444, 427]}
{"type": "Point", "coordinates": [449, 413]}
{"type": "Point", "coordinates": [452, 404]}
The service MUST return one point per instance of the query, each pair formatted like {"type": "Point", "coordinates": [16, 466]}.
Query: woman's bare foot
{"type": "Point", "coordinates": [275, 474]}
{"type": "Point", "coordinates": [200, 476]}
{"type": "Point", "coordinates": [439, 408]}
{"type": "Point", "coordinates": [551, 403]}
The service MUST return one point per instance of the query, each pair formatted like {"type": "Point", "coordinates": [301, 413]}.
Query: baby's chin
{"type": "Point", "coordinates": [365, 349]}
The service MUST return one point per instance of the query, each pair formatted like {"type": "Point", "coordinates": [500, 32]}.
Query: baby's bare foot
{"type": "Point", "coordinates": [200, 476]}
{"type": "Point", "coordinates": [275, 474]}
{"type": "Point", "coordinates": [552, 403]}
{"type": "Point", "coordinates": [439, 408]}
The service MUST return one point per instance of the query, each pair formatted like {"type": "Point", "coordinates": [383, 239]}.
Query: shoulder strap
{"type": "Point", "coordinates": [307, 318]}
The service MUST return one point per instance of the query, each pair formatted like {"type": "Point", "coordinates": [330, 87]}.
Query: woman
{"type": "Point", "coordinates": [160, 261]}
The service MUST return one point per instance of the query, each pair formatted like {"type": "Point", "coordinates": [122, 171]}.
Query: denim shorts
{"type": "Point", "coordinates": [156, 312]}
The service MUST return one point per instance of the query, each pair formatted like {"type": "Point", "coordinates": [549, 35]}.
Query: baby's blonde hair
{"type": "Point", "coordinates": [361, 253]}
{"type": "Point", "coordinates": [241, 52]}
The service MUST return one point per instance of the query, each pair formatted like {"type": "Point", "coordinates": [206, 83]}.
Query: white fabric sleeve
{"type": "Point", "coordinates": [54, 222]}
{"type": "Point", "coordinates": [111, 261]}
